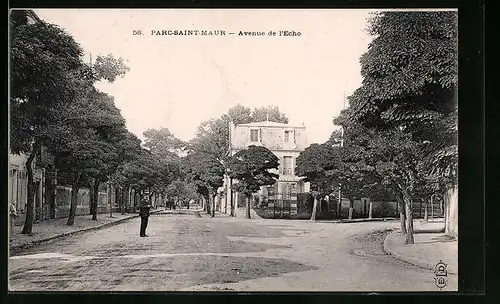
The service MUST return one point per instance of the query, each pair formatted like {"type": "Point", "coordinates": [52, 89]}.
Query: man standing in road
{"type": "Point", "coordinates": [144, 214]}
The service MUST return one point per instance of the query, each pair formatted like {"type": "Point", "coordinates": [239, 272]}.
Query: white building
{"type": "Point", "coordinates": [18, 186]}
{"type": "Point", "coordinates": [286, 142]}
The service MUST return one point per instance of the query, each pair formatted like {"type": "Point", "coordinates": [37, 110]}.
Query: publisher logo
{"type": "Point", "coordinates": [440, 275]}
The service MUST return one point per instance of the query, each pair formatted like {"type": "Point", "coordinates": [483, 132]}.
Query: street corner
{"type": "Point", "coordinates": [428, 250]}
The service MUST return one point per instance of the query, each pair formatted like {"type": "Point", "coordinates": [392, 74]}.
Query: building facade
{"type": "Point", "coordinates": [286, 142]}
{"type": "Point", "coordinates": [18, 186]}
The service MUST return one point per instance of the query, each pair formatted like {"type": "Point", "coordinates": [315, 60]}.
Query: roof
{"type": "Point", "coordinates": [270, 124]}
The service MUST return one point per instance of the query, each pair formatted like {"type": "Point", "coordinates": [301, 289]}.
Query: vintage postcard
{"type": "Point", "coordinates": [236, 150]}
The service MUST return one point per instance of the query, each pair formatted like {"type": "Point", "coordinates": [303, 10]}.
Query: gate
{"type": "Point", "coordinates": [276, 205]}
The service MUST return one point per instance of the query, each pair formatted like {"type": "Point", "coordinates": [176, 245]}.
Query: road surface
{"type": "Point", "coordinates": [188, 253]}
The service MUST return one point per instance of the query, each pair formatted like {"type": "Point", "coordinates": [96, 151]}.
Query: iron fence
{"type": "Point", "coordinates": [300, 205]}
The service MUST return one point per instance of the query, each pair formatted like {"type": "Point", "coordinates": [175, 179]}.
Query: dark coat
{"type": "Point", "coordinates": [144, 209]}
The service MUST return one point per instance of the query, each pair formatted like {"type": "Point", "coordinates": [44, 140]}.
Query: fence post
{"type": "Point", "coordinates": [290, 206]}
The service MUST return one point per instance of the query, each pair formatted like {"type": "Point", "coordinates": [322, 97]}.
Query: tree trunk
{"type": "Point", "coordinates": [426, 217]}
{"type": "Point", "coordinates": [95, 198]}
{"type": "Point", "coordinates": [74, 200]}
{"type": "Point", "coordinates": [91, 196]}
{"type": "Point", "coordinates": [441, 207]}
{"type": "Point", "coordinates": [409, 219]}
{"type": "Point", "coordinates": [231, 198]}
{"type": "Point", "coordinates": [351, 208]}
{"type": "Point", "coordinates": [370, 210]}
{"type": "Point", "coordinates": [28, 223]}
{"type": "Point", "coordinates": [315, 207]}
{"type": "Point", "coordinates": [135, 200]}
{"type": "Point", "coordinates": [212, 207]}
{"type": "Point", "coordinates": [247, 207]}
{"type": "Point", "coordinates": [125, 201]}
{"type": "Point", "coordinates": [209, 204]}
{"type": "Point", "coordinates": [447, 202]}
{"type": "Point", "coordinates": [402, 216]}
{"type": "Point", "coordinates": [226, 203]}
{"type": "Point", "coordinates": [111, 201]}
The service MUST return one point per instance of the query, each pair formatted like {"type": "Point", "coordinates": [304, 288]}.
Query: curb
{"type": "Point", "coordinates": [38, 242]}
{"type": "Point", "coordinates": [416, 262]}
{"type": "Point", "coordinates": [385, 219]}
{"type": "Point", "coordinates": [202, 213]}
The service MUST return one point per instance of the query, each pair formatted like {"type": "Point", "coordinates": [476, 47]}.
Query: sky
{"type": "Point", "coordinates": [177, 82]}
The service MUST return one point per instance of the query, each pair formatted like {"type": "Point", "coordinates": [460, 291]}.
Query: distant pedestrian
{"type": "Point", "coordinates": [144, 214]}
{"type": "Point", "coordinates": [13, 216]}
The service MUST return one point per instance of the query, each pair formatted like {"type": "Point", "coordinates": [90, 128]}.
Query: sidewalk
{"type": "Point", "coordinates": [429, 248]}
{"type": "Point", "coordinates": [52, 229]}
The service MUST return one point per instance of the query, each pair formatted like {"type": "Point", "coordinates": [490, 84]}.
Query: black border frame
{"type": "Point", "coordinates": [471, 150]}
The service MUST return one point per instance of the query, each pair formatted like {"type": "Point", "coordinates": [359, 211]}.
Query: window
{"type": "Point", "coordinates": [254, 135]}
{"type": "Point", "coordinates": [288, 136]}
{"type": "Point", "coordinates": [287, 165]}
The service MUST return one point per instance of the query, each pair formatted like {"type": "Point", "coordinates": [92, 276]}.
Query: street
{"type": "Point", "coordinates": [185, 252]}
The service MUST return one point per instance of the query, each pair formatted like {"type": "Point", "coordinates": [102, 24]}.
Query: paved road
{"type": "Point", "coordinates": [188, 253]}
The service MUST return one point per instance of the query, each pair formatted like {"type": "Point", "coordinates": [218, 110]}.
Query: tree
{"type": "Point", "coordinates": [83, 142]}
{"type": "Point", "coordinates": [314, 164]}
{"type": "Point", "coordinates": [206, 173]}
{"type": "Point", "coordinates": [92, 126]}
{"type": "Point", "coordinates": [162, 143]}
{"type": "Point", "coordinates": [408, 98]}
{"type": "Point", "coordinates": [397, 158]}
{"type": "Point", "coordinates": [181, 191]}
{"type": "Point", "coordinates": [410, 75]}
{"type": "Point", "coordinates": [129, 150]}
{"type": "Point", "coordinates": [240, 114]}
{"type": "Point", "coordinates": [269, 113]}
{"type": "Point", "coordinates": [101, 115]}
{"type": "Point", "coordinates": [46, 71]}
{"type": "Point", "coordinates": [109, 68]}
{"type": "Point", "coordinates": [167, 149]}
{"type": "Point", "coordinates": [47, 78]}
{"type": "Point", "coordinates": [250, 167]}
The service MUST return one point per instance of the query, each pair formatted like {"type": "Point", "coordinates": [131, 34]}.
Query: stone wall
{"type": "Point", "coordinates": [63, 202]}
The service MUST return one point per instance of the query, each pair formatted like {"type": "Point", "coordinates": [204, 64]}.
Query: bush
{"type": "Point", "coordinates": [383, 210]}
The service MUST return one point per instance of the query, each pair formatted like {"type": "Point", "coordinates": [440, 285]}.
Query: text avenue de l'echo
{"type": "Point", "coordinates": [218, 33]}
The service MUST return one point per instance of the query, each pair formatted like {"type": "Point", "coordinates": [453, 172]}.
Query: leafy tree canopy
{"type": "Point", "coordinates": [205, 171]}
{"type": "Point", "coordinates": [410, 75]}
{"type": "Point", "coordinates": [251, 168]}
{"type": "Point", "coordinates": [162, 143]}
